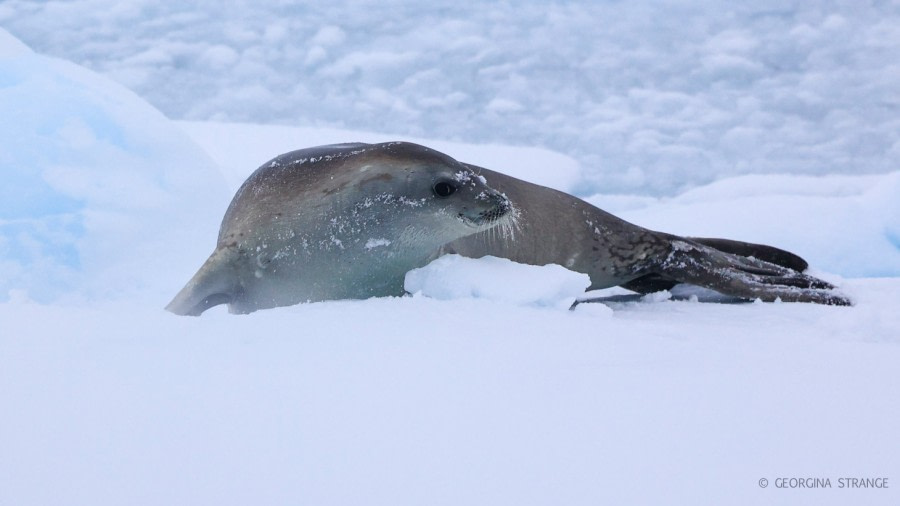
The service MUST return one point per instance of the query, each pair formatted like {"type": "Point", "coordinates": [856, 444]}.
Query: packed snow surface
{"type": "Point", "coordinates": [422, 401]}
{"type": "Point", "coordinates": [454, 277]}
{"type": "Point", "coordinates": [443, 397]}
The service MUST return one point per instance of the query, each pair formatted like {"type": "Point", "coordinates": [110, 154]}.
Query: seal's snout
{"type": "Point", "coordinates": [500, 207]}
{"type": "Point", "coordinates": [492, 207]}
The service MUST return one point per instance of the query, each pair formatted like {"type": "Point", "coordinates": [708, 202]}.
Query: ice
{"type": "Point", "coordinates": [94, 182]}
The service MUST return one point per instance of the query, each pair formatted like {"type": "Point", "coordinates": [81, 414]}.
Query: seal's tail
{"type": "Point", "coordinates": [208, 288]}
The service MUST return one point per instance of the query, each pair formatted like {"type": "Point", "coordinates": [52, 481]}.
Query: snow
{"type": "Point", "coordinates": [377, 243]}
{"type": "Point", "coordinates": [498, 280]}
{"type": "Point", "coordinates": [421, 401]}
{"type": "Point", "coordinates": [108, 207]}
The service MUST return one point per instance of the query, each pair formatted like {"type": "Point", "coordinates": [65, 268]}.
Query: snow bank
{"type": "Point", "coordinates": [499, 280]}
{"type": "Point", "coordinates": [100, 191]}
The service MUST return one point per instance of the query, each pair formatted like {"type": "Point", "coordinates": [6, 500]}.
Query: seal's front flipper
{"type": "Point", "coordinates": [745, 277]}
{"type": "Point", "coordinates": [210, 287]}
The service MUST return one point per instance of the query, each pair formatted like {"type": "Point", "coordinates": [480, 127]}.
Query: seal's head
{"type": "Point", "coordinates": [411, 193]}
{"type": "Point", "coordinates": [340, 221]}
{"type": "Point", "coordinates": [437, 181]}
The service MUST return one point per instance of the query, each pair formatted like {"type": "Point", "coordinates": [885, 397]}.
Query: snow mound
{"type": "Point", "coordinates": [497, 279]}
{"type": "Point", "coordinates": [100, 191]}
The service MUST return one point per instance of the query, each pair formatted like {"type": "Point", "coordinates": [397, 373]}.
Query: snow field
{"type": "Point", "coordinates": [106, 399]}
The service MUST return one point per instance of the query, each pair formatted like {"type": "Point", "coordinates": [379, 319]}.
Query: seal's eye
{"type": "Point", "coordinates": [444, 189]}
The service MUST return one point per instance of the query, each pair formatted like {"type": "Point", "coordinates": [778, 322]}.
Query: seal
{"type": "Point", "coordinates": [349, 220]}
{"type": "Point", "coordinates": [344, 221]}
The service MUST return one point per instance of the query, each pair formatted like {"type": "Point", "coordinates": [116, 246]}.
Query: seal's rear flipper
{"type": "Point", "coordinates": [656, 283]}
{"type": "Point", "coordinates": [745, 277]}
{"type": "Point", "coordinates": [209, 287]}
{"type": "Point", "coordinates": [762, 252]}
